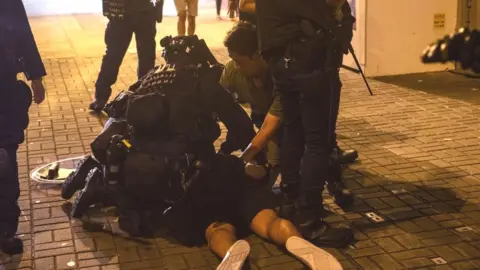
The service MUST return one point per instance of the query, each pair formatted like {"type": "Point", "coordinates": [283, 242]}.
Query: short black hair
{"type": "Point", "coordinates": [242, 39]}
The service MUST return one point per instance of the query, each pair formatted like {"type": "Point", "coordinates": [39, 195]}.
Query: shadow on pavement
{"type": "Point", "coordinates": [445, 84]}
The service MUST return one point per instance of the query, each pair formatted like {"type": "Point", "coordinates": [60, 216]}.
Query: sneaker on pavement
{"type": "Point", "coordinates": [314, 257]}
{"type": "Point", "coordinates": [236, 256]}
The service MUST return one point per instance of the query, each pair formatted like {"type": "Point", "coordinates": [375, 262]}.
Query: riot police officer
{"type": "Point", "coordinates": [126, 17]}
{"type": "Point", "coordinates": [167, 115]}
{"type": "Point", "coordinates": [304, 42]}
{"type": "Point", "coordinates": [18, 53]}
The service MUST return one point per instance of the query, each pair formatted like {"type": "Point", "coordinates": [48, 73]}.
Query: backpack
{"type": "Point", "coordinates": [187, 118]}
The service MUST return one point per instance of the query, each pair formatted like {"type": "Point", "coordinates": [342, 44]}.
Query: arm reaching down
{"type": "Point", "coordinates": [270, 126]}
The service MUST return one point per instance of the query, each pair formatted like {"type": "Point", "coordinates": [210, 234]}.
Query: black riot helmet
{"type": "Point", "coordinates": [183, 51]}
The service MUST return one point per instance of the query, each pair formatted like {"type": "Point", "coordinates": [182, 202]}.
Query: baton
{"type": "Point", "coordinates": [350, 49]}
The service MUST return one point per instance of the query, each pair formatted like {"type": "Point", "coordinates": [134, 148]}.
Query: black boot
{"type": "Point", "coordinates": [97, 106]}
{"type": "Point", "coordinates": [76, 180]}
{"type": "Point", "coordinates": [342, 196]}
{"type": "Point", "coordinates": [344, 157]}
{"type": "Point", "coordinates": [130, 222]}
{"type": "Point", "coordinates": [315, 230]}
{"type": "Point", "coordinates": [90, 194]}
{"type": "Point", "coordinates": [11, 245]}
{"type": "Point", "coordinates": [290, 194]}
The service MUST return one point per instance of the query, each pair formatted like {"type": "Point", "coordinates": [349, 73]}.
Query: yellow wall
{"type": "Point", "coordinates": [397, 31]}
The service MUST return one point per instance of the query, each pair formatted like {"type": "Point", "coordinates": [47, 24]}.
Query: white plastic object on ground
{"type": "Point", "coordinates": [67, 165]}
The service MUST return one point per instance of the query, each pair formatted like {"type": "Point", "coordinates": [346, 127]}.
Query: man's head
{"type": "Point", "coordinates": [242, 45]}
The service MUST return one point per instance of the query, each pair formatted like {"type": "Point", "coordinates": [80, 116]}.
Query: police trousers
{"type": "Point", "coordinates": [9, 190]}
{"type": "Point", "coordinates": [15, 99]}
{"type": "Point", "coordinates": [118, 36]}
{"type": "Point", "coordinates": [310, 96]}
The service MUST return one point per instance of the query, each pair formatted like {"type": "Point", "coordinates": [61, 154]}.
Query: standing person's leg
{"type": "Point", "coordinates": [192, 16]}
{"type": "Point", "coordinates": [315, 106]}
{"type": "Point", "coordinates": [219, 8]}
{"type": "Point", "coordinates": [145, 32]}
{"type": "Point", "coordinates": [343, 156]}
{"type": "Point", "coordinates": [233, 9]}
{"type": "Point", "coordinates": [181, 6]}
{"type": "Point", "coordinates": [293, 138]}
{"type": "Point", "coordinates": [117, 38]}
{"type": "Point", "coordinates": [9, 194]}
{"type": "Point", "coordinates": [335, 185]}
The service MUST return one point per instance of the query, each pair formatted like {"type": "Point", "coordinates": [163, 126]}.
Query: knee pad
{"type": "Point", "coordinates": [4, 162]}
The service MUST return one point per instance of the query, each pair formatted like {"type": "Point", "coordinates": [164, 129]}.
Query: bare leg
{"type": "Point", "coordinates": [220, 237]}
{"type": "Point", "coordinates": [268, 225]}
{"type": "Point", "coordinates": [181, 27]}
{"type": "Point", "coordinates": [222, 241]}
{"type": "Point", "coordinates": [191, 25]}
{"type": "Point", "coordinates": [282, 232]}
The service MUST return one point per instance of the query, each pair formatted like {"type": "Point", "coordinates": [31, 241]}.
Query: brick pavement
{"type": "Point", "coordinates": [419, 170]}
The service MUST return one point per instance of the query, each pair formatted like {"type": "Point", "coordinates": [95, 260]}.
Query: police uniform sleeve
{"type": "Point", "coordinates": [239, 126]}
{"type": "Point", "coordinates": [32, 63]}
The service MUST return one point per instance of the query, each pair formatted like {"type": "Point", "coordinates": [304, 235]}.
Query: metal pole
{"type": "Point", "coordinates": [350, 48]}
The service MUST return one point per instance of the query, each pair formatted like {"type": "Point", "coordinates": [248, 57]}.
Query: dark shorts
{"type": "Point", "coordinates": [225, 196]}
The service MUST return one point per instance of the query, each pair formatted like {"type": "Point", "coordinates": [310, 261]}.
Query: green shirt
{"type": "Point", "coordinates": [261, 101]}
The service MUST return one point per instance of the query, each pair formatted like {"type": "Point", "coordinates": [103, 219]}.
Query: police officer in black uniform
{"type": "Point", "coordinates": [126, 17]}
{"type": "Point", "coordinates": [304, 42]}
{"type": "Point", "coordinates": [170, 114]}
{"type": "Point", "coordinates": [18, 53]}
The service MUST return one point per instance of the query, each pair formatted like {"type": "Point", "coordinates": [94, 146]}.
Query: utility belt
{"type": "Point", "coordinates": [120, 9]}
{"type": "Point", "coordinates": [314, 48]}
{"type": "Point", "coordinates": [114, 9]}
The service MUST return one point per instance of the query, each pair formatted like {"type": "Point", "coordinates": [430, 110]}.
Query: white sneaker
{"type": "Point", "coordinates": [236, 256]}
{"type": "Point", "coordinates": [311, 255]}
